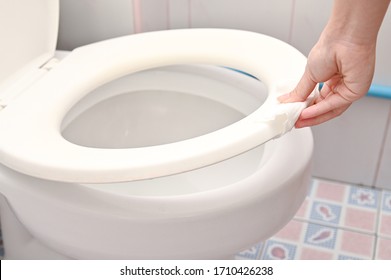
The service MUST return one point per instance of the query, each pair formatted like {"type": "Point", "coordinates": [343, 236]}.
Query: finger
{"type": "Point", "coordinates": [303, 89]}
{"type": "Point", "coordinates": [333, 102]}
{"type": "Point", "coordinates": [324, 92]}
{"type": "Point", "coordinates": [319, 119]}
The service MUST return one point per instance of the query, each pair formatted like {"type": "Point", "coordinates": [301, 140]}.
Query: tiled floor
{"type": "Point", "coordinates": [336, 221]}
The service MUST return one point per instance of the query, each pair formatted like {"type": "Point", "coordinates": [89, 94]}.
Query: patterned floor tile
{"type": "Point", "coordinates": [384, 228]}
{"type": "Point", "coordinates": [357, 245]}
{"type": "Point", "coordinates": [336, 221]}
{"type": "Point", "coordinates": [326, 212]}
{"type": "Point", "coordinates": [364, 197]}
{"type": "Point", "coordinates": [315, 254]}
{"type": "Point", "coordinates": [304, 210]}
{"type": "Point", "coordinates": [252, 253]}
{"type": "Point", "coordinates": [386, 201]}
{"type": "Point", "coordinates": [292, 232]}
{"type": "Point", "coordinates": [383, 249]}
{"type": "Point", "coordinates": [277, 250]}
{"type": "Point", "coordinates": [331, 191]}
{"type": "Point", "coordinates": [320, 236]}
{"type": "Point", "coordinates": [342, 205]}
{"type": "Point", "coordinates": [362, 220]}
{"type": "Point", "coordinates": [309, 241]}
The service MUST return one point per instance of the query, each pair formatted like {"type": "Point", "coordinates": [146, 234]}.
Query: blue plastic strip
{"type": "Point", "coordinates": [380, 91]}
{"type": "Point", "coordinates": [375, 90]}
{"type": "Point", "coordinates": [241, 72]}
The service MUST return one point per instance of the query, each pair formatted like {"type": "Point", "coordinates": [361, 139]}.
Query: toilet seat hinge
{"type": "Point", "coordinates": [13, 90]}
{"type": "Point", "coordinates": [2, 104]}
{"type": "Point", "coordinates": [48, 65]}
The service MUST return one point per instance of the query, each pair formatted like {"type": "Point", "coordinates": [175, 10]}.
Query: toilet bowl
{"type": "Point", "coordinates": [112, 154]}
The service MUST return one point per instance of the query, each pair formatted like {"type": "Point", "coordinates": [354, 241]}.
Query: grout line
{"type": "Point", "coordinates": [261, 249]}
{"type": "Point", "coordinates": [343, 205]}
{"type": "Point", "coordinates": [373, 234]}
{"type": "Point", "coordinates": [334, 226]}
{"type": "Point", "coordinates": [379, 210]}
{"type": "Point", "coordinates": [349, 183]}
{"type": "Point", "coordinates": [336, 251]}
{"type": "Point", "coordinates": [381, 152]}
{"type": "Point", "coordinates": [375, 248]}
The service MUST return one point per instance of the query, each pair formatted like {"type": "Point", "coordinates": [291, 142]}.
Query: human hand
{"type": "Point", "coordinates": [345, 68]}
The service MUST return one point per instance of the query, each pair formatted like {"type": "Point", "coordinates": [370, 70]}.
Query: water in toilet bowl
{"type": "Point", "coordinates": [166, 105]}
{"type": "Point", "coordinates": [161, 106]}
{"type": "Point", "coordinates": [148, 118]}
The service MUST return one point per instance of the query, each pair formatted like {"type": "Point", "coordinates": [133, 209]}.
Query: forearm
{"type": "Point", "coordinates": [356, 21]}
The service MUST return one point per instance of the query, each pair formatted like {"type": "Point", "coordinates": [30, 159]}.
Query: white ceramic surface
{"type": "Point", "coordinates": [213, 212]}
{"type": "Point", "coordinates": [48, 155]}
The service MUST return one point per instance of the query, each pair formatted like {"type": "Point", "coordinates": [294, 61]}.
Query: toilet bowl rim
{"type": "Point", "coordinates": [62, 166]}
{"type": "Point", "coordinates": [263, 183]}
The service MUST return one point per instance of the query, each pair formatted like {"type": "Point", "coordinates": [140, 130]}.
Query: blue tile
{"type": "Point", "coordinates": [252, 253]}
{"type": "Point", "coordinates": [320, 236]}
{"type": "Point", "coordinates": [276, 250]}
{"type": "Point", "coordinates": [345, 257]}
{"type": "Point", "coordinates": [325, 212]}
{"type": "Point", "coordinates": [363, 197]}
{"type": "Point", "coordinates": [386, 201]}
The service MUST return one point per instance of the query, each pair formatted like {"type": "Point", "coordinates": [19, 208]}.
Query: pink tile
{"type": "Point", "coordinates": [360, 219]}
{"type": "Point", "coordinates": [292, 231]}
{"type": "Point", "coordinates": [357, 243]}
{"type": "Point", "coordinates": [314, 254]}
{"type": "Point", "coordinates": [385, 225]}
{"type": "Point", "coordinates": [383, 251]}
{"type": "Point", "coordinates": [331, 191]}
{"type": "Point", "coordinates": [302, 212]}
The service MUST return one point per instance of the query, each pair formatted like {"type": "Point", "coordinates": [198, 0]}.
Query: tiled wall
{"type": "Point", "coordinates": [355, 148]}
{"type": "Point", "coordinates": [87, 21]}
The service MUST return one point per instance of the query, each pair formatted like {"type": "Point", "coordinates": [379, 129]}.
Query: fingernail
{"type": "Point", "coordinates": [284, 97]}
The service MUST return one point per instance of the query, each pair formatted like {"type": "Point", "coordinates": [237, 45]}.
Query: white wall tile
{"type": "Point", "coordinates": [383, 76]}
{"type": "Point", "coordinates": [87, 21]}
{"type": "Point", "coordinates": [154, 15]}
{"type": "Point", "coordinates": [269, 17]}
{"type": "Point", "coordinates": [179, 14]}
{"type": "Point", "coordinates": [383, 58]}
{"type": "Point", "coordinates": [309, 19]}
{"type": "Point", "coordinates": [348, 147]}
{"type": "Point", "coordinates": [384, 175]}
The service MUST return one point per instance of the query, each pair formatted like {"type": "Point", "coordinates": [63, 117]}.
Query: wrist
{"type": "Point", "coordinates": [348, 35]}
{"type": "Point", "coordinates": [356, 21]}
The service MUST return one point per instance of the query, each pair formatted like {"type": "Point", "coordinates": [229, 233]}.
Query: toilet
{"type": "Point", "coordinates": [148, 146]}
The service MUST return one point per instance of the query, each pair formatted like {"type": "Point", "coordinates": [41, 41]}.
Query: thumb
{"type": "Point", "coordinates": [302, 90]}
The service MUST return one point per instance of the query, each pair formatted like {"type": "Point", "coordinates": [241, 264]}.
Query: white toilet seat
{"type": "Point", "coordinates": [30, 136]}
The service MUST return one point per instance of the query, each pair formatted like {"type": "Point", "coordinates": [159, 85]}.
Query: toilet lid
{"type": "Point", "coordinates": [30, 136]}
{"type": "Point", "coordinates": [28, 34]}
